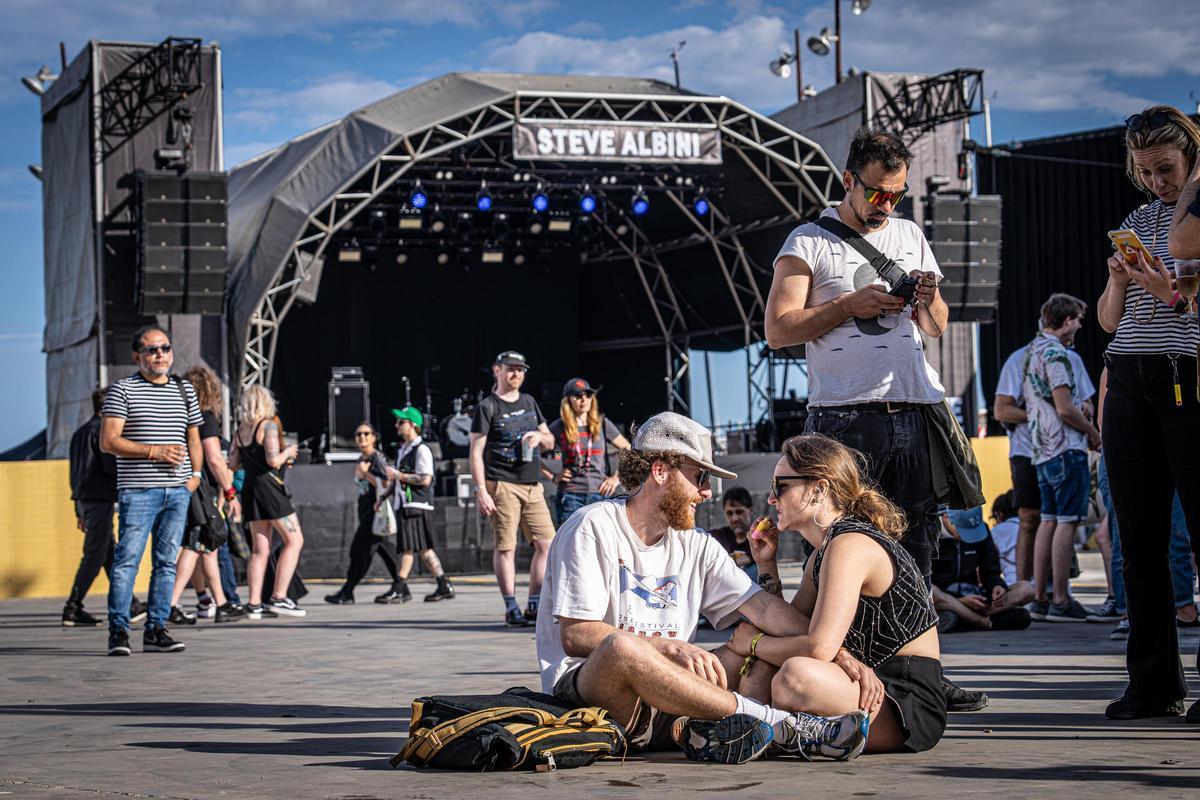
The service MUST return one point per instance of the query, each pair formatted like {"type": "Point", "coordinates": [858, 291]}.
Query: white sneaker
{"type": "Point", "coordinates": [286, 608]}
{"type": "Point", "coordinates": [205, 607]}
{"type": "Point", "coordinates": [840, 738]}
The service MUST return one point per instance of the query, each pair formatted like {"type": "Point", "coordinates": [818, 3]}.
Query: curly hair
{"type": "Point", "coordinates": [207, 386]}
{"type": "Point", "coordinates": [870, 146]}
{"type": "Point", "coordinates": [633, 466]}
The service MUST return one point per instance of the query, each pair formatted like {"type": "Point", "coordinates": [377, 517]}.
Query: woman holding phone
{"type": "Point", "coordinates": [1151, 412]}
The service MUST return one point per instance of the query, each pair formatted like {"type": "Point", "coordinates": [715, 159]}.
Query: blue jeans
{"type": "Point", "coordinates": [228, 576]}
{"type": "Point", "coordinates": [1065, 486]}
{"type": "Point", "coordinates": [1183, 578]}
{"type": "Point", "coordinates": [567, 503]}
{"type": "Point", "coordinates": [161, 513]}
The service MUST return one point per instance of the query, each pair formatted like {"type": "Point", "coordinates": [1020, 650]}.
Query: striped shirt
{"type": "Point", "coordinates": [154, 413]}
{"type": "Point", "coordinates": [1166, 332]}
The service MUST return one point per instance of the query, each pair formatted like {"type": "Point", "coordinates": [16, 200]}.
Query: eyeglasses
{"type": "Point", "coordinates": [878, 197]}
{"type": "Point", "coordinates": [779, 484]}
{"type": "Point", "coordinates": [1143, 122]}
{"type": "Point", "coordinates": [362, 434]}
{"type": "Point", "coordinates": [155, 349]}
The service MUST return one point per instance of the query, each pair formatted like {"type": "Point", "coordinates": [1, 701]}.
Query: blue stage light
{"type": "Point", "coordinates": [540, 202]}
{"type": "Point", "coordinates": [700, 206]}
{"type": "Point", "coordinates": [418, 198]}
{"type": "Point", "coordinates": [483, 202]}
{"type": "Point", "coordinates": [587, 203]}
{"type": "Point", "coordinates": [640, 203]}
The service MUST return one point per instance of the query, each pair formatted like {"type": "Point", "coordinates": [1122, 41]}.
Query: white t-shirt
{"type": "Point", "coordinates": [424, 466]}
{"type": "Point", "coordinates": [1004, 534]}
{"type": "Point", "coordinates": [865, 360]}
{"type": "Point", "coordinates": [1019, 443]}
{"type": "Point", "coordinates": [599, 569]}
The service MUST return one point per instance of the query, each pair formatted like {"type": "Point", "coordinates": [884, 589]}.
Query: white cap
{"type": "Point", "coordinates": [676, 433]}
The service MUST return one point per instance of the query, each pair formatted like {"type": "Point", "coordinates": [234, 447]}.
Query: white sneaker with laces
{"type": "Point", "coordinates": [286, 607]}
{"type": "Point", "coordinates": [840, 738]}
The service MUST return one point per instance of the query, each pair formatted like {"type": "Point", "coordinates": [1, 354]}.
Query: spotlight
{"type": "Point", "coordinates": [437, 222]}
{"type": "Point", "coordinates": [491, 254]}
{"type": "Point", "coordinates": [701, 206]}
{"type": "Point", "coordinates": [377, 222]}
{"type": "Point", "coordinates": [500, 226]}
{"type": "Point", "coordinates": [860, 6]}
{"type": "Point", "coordinates": [640, 203]}
{"type": "Point", "coordinates": [536, 226]}
{"type": "Point", "coordinates": [539, 199]}
{"type": "Point", "coordinates": [560, 222]}
{"type": "Point", "coordinates": [622, 229]}
{"type": "Point", "coordinates": [401, 258]}
{"type": "Point", "coordinates": [350, 252]}
{"type": "Point", "coordinates": [463, 224]}
{"type": "Point", "coordinates": [518, 253]}
{"type": "Point", "coordinates": [39, 82]}
{"type": "Point", "coordinates": [587, 202]}
{"type": "Point", "coordinates": [36, 171]}
{"type": "Point", "coordinates": [443, 254]}
{"type": "Point", "coordinates": [418, 198]}
{"type": "Point", "coordinates": [819, 44]}
{"type": "Point", "coordinates": [782, 66]}
{"type": "Point", "coordinates": [483, 200]}
{"type": "Point", "coordinates": [410, 219]}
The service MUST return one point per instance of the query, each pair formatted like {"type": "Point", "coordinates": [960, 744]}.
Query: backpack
{"type": "Point", "coordinates": [516, 730]}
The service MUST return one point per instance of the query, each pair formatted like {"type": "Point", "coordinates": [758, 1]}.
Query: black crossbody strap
{"type": "Point", "coordinates": [886, 268]}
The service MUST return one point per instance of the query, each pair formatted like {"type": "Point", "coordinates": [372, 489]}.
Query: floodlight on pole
{"type": "Point", "coordinates": [38, 83]}
{"type": "Point", "coordinates": [782, 66]}
{"type": "Point", "coordinates": [860, 6]}
{"type": "Point", "coordinates": [36, 171]}
{"type": "Point", "coordinates": [820, 44]}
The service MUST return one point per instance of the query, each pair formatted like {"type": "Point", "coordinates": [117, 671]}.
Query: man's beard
{"type": "Point", "coordinates": [158, 371]}
{"type": "Point", "coordinates": [676, 505]}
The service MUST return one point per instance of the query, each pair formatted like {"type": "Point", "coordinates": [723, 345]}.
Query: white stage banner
{"type": "Point", "coordinates": [594, 140]}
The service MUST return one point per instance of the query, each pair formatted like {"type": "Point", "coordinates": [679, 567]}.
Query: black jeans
{"type": "Point", "coordinates": [363, 548]}
{"type": "Point", "coordinates": [1152, 447]}
{"type": "Point", "coordinates": [897, 449]}
{"type": "Point", "coordinates": [97, 547]}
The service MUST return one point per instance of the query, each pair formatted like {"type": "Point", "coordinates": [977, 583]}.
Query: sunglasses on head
{"type": "Point", "coordinates": [1146, 122]}
{"type": "Point", "coordinates": [779, 484]}
{"type": "Point", "coordinates": [155, 349]}
{"type": "Point", "coordinates": [878, 197]}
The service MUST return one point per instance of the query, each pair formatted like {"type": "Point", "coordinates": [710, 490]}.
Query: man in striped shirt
{"type": "Point", "coordinates": [151, 423]}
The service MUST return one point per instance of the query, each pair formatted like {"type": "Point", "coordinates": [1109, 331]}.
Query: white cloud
{"type": "Point", "coordinates": [583, 28]}
{"type": "Point", "coordinates": [315, 104]}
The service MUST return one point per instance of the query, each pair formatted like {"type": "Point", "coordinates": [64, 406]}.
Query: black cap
{"type": "Point", "coordinates": [577, 386]}
{"type": "Point", "coordinates": [511, 358]}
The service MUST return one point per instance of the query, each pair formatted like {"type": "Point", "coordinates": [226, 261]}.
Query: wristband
{"type": "Point", "coordinates": [230, 493]}
{"type": "Point", "coordinates": [196, 474]}
{"type": "Point", "coordinates": [750, 659]}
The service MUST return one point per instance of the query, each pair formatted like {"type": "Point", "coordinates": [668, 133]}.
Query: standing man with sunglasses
{"type": "Point", "coordinates": [868, 378]}
{"type": "Point", "coordinates": [151, 423]}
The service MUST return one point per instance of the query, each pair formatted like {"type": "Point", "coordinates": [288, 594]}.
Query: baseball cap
{"type": "Point", "coordinates": [577, 386]}
{"type": "Point", "coordinates": [679, 434]}
{"type": "Point", "coordinates": [511, 358]}
{"type": "Point", "coordinates": [969, 524]}
{"type": "Point", "coordinates": [411, 414]}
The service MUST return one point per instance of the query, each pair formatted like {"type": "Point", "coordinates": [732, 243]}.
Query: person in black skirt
{"type": "Point", "coordinates": [266, 503]}
{"type": "Point", "coordinates": [1152, 412]}
{"type": "Point", "coordinates": [370, 474]}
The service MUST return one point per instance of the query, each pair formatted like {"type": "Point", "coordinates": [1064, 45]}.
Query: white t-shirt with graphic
{"type": "Point", "coordinates": [1010, 383]}
{"type": "Point", "coordinates": [865, 360]}
{"type": "Point", "coordinates": [600, 570]}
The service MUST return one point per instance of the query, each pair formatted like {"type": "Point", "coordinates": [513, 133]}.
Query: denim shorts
{"type": "Point", "coordinates": [1066, 486]}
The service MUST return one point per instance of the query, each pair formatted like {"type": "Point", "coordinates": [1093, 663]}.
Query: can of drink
{"type": "Point", "coordinates": [528, 450]}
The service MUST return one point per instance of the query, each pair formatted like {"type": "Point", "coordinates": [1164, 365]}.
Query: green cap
{"type": "Point", "coordinates": [411, 414]}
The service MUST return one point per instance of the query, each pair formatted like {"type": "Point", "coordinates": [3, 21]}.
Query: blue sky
{"type": "Point", "coordinates": [290, 65]}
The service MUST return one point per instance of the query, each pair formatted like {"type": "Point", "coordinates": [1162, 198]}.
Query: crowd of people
{"type": "Point", "coordinates": [620, 576]}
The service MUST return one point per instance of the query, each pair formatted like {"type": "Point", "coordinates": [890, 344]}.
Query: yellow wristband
{"type": "Point", "coordinates": [754, 643]}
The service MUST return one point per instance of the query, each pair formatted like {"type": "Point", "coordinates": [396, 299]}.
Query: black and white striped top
{"type": "Point", "coordinates": [154, 413]}
{"type": "Point", "coordinates": [1167, 332]}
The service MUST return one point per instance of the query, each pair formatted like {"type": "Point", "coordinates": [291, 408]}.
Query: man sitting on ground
{"type": "Point", "coordinates": [625, 583]}
{"type": "Point", "coordinates": [969, 589]}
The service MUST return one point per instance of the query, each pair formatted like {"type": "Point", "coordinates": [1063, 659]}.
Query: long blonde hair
{"type": "Point", "coordinates": [571, 422]}
{"type": "Point", "coordinates": [1179, 132]}
{"type": "Point", "coordinates": [815, 457]}
{"type": "Point", "coordinates": [256, 404]}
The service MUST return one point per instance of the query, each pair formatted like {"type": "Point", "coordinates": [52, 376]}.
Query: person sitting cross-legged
{"type": "Point", "coordinates": [625, 582]}
{"type": "Point", "coordinates": [969, 588]}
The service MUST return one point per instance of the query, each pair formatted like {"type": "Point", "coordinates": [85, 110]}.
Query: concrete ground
{"type": "Point", "coordinates": [314, 707]}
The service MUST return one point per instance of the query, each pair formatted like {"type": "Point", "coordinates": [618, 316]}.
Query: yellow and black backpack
{"type": "Point", "coordinates": [517, 729]}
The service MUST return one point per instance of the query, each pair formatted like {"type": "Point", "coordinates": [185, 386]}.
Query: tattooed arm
{"type": "Point", "coordinates": [276, 458]}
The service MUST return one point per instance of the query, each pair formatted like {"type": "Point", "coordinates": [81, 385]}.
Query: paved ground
{"type": "Point", "coordinates": [314, 707]}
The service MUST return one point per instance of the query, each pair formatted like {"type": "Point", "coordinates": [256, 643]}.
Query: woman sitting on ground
{"type": "Point", "coordinates": [861, 590]}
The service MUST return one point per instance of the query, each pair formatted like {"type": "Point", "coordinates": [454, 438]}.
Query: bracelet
{"type": "Point", "coordinates": [150, 455]}
{"type": "Point", "coordinates": [750, 659]}
{"type": "Point", "coordinates": [230, 493]}
{"type": "Point", "coordinates": [197, 474]}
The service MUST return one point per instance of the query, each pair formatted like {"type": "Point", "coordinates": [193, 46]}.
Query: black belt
{"type": "Point", "coordinates": [884, 407]}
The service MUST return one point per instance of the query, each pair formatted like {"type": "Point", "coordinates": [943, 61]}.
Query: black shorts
{"type": "Point", "coordinates": [914, 686]}
{"type": "Point", "coordinates": [1026, 493]}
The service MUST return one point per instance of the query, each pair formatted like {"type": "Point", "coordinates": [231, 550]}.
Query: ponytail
{"type": "Point", "coordinates": [884, 515]}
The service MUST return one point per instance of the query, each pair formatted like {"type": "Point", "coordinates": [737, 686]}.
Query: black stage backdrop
{"type": "Point", "coordinates": [1061, 197]}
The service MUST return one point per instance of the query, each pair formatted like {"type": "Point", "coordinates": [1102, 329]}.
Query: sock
{"type": "Point", "coordinates": [510, 603]}
{"type": "Point", "coordinates": [534, 600]}
{"type": "Point", "coordinates": [758, 710]}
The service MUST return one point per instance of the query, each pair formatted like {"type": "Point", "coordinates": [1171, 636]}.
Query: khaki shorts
{"type": "Point", "coordinates": [519, 505]}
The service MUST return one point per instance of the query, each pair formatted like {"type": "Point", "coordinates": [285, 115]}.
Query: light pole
{"type": "Point", "coordinates": [675, 59]}
{"type": "Point", "coordinates": [820, 43]}
{"type": "Point", "coordinates": [782, 67]}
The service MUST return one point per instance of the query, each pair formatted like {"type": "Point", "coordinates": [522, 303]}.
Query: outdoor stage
{"type": "Point", "coordinates": [313, 708]}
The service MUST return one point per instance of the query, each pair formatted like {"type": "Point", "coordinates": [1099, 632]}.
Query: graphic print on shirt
{"type": "Point", "coordinates": [649, 604]}
{"type": "Point", "coordinates": [865, 275]}
{"type": "Point", "coordinates": [509, 428]}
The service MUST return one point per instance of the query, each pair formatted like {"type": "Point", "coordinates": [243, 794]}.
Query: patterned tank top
{"type": "Point", "coordinates": [882, 625]}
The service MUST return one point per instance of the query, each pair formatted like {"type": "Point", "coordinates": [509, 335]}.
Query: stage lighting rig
{"type": "Point", "coordinates": [437, 222]}
{"type": "Point", "coordinates": [411, 219]}
{"type": "Point", "coordinates": [539, 199]}
{"type": "Point", "coordinates": [418, 198]}
{"type": "Point", "coordinates": [640, 203]}
{"type": "Point", "coordinates": [587, 200]}
{"type": "Point", "coordinates": [350, 252]}
{"type": "Point", "coordinates": [483, 198]}
{"type": "Point", "coordinates": [377, 222]}
{"type": "Point", "coordinates": [40, 82]}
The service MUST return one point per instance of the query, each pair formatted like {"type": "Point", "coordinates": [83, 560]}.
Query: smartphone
{"type": "Point", "coordinates": [1127, 243]}
{"type": "Point", "coordinates": [905, 289]}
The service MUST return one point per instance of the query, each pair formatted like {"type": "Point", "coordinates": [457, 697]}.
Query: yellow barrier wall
{"type": "Point", "coordinates": [40, 546]}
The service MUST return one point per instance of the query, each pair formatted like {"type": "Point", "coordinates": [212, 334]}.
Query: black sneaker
{"type": "Point", "coordinates": [76, 617]}
{"type": "Point", "coordinates": [118, 643]}
{"type": "Point", "coordinates": [444, 591]}
{"type": "Point", "coordinates": [180, 617]}
{"type": "Point", "coordinates": [1073, 611]}
{"type": "Point", "coordinates": [229, 613]}
{"type": "Point", "coordinates": [1193, 715]}
{"type": "Point", "coordinates": [286, 607]}
{"type": "Point", "coordinates": [960, 699]}
{"type": "Point", "coordinates": [531, 613]}
{"type": "Point", "coordinates": [157, 640]}
{"type": "Point", "coordinates": [260, 611]}
{"type": "Point", "coordinates": [1105, 613]}
{"type": "Point", "coordinates": [735, 739]}
{"type": "Point", "coordinates": [340, 598]}
{"type": "Point", "coordinates": [1121, 632]}
{"type": "Point", "coordinates": [1038, 609]}
{"type": "Point", "coordinates": [515, 619]}
{"type": "Point", "coordinates": [1133, 708]}
{"type": "Point", "coordinates": [137, 611]}
{"type": "Point", "coordinates": [393, 596]}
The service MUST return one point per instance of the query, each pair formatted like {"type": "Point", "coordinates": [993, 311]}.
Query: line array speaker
{"type": "Point", "coordinates": [964, 234]}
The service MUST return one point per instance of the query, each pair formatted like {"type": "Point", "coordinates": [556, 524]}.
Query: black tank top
{"type": "Point", "coordinates": [882, 625]}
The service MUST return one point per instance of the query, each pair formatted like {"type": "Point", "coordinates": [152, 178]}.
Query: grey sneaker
{"type": "Point", "coordinates": [735, 739]}
{"type": "Point", "coordinates": [1038, 609]}
{"type": "Point", "coordinates": [1073, 611]}
{"type": "Point", "coordinates": [810, 736]}
{"type": "Point", "coordinates": [1121, 632]}
{"type": "Point", "coordinates": [1105, 613]}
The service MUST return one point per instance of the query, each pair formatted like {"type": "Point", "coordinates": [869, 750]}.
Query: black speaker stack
{"type": "Point", "coordinates": [964, 233]}
{"type": "Point", "coordinates": [182, 245]}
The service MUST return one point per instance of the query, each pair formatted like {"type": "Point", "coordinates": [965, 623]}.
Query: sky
{"type": "Point", "coordinates": [1050, 67]}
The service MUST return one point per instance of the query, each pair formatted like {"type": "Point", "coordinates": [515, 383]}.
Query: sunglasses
{"type": "Point", "coordinates": [362, 434]}
{"type": "Point", "coordinates": [1146, 122]}
{"type": "Point", "coordinates": [155, 349]}
{"type": "Point", "coordinates": [878, 197]}
{"type": "Point", "coordinates": [779, 484]}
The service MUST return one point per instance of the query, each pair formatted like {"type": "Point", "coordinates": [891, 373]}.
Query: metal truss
{"type": "Point", "coordinates": [916, 107]}
{"type": "Point", "coordinates": [793, 169]}
{"type": "Point", "coordinates": [154, 82]}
